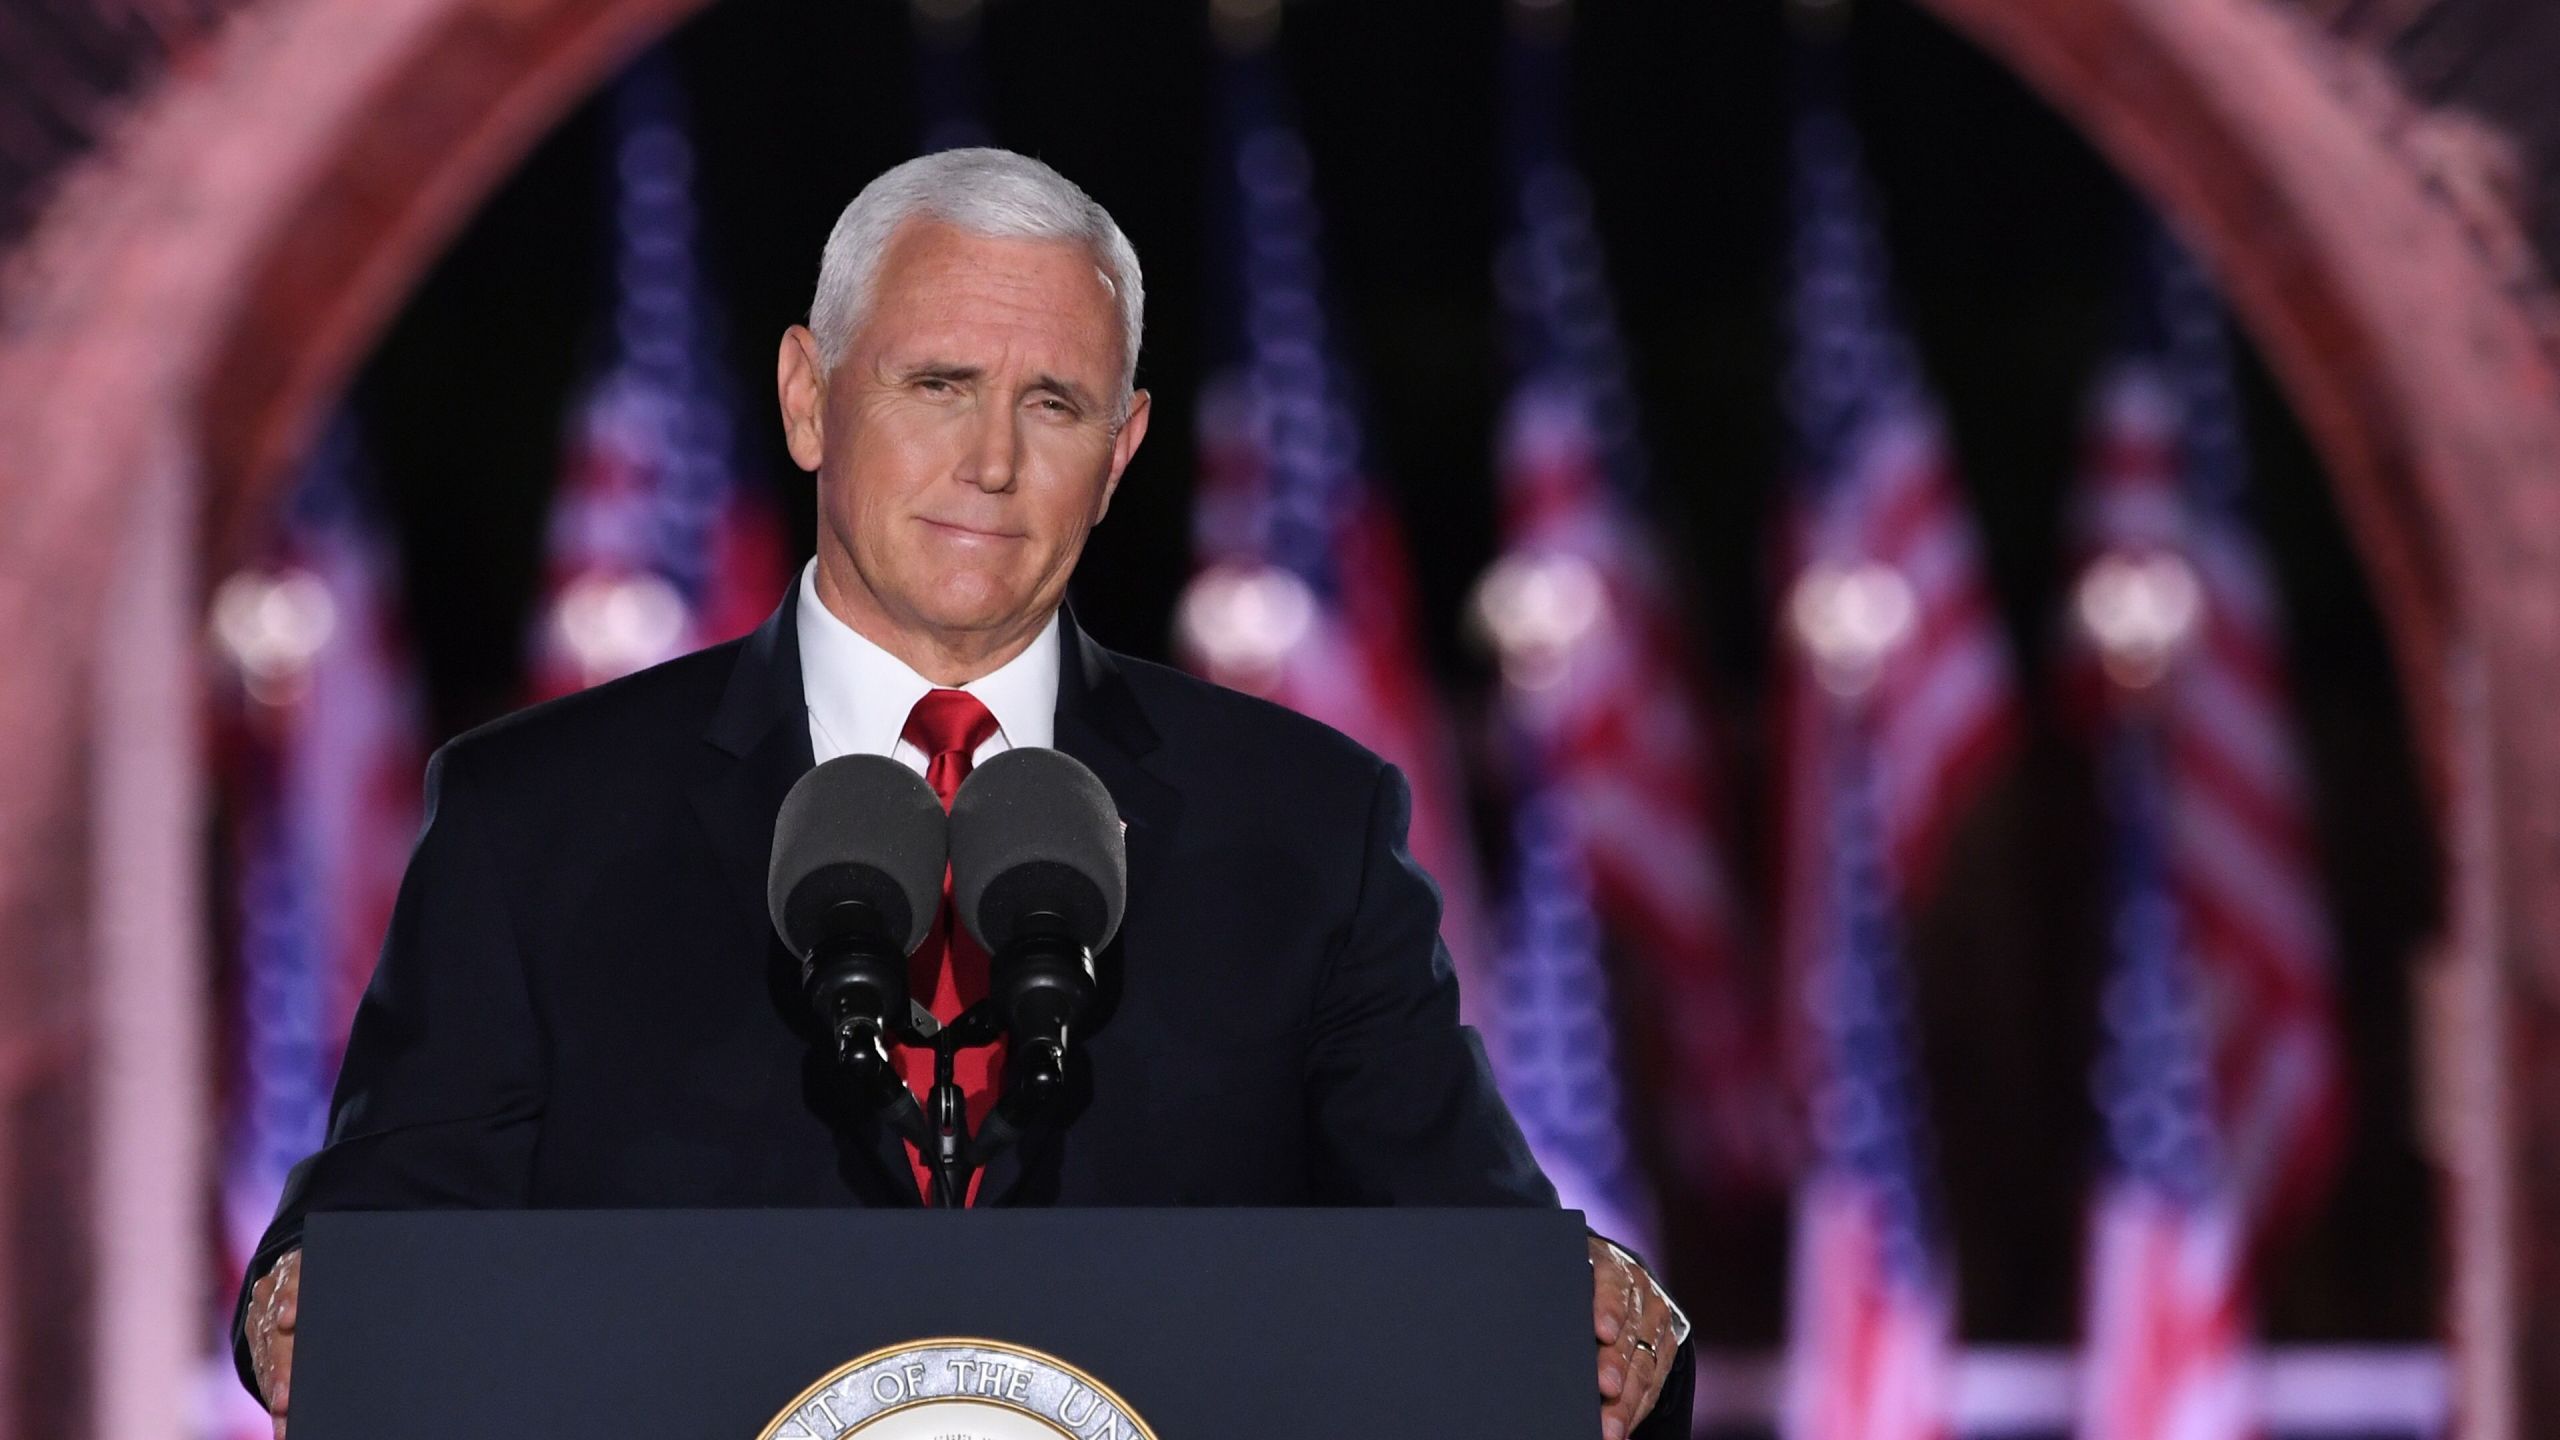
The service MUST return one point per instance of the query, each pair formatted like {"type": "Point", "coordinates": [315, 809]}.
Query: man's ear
{"type": "Point", "coordinates": [802, 385]}
{"type": "Point", "coordinates": [1124, 447]}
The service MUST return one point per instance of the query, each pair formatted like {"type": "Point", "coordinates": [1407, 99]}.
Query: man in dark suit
{"type": "Point", "coordinates": [581, 1002]}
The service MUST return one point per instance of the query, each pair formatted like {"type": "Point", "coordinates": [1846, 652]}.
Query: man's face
{"type": "Point", "coordinates": [970, 437]}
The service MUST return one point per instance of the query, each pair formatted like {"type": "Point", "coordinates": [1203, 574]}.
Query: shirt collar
{"type": "Point", "coordinates": [860, 695]}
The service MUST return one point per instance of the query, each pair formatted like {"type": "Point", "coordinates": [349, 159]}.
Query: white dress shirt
{"type": "Point", "coordinates": [860, 695]}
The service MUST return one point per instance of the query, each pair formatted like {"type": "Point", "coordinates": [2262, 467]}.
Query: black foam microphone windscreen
{"type": "Point", "coordinates": [1033, 832]}
{"type": "Point", "coordinates": [859, 828]}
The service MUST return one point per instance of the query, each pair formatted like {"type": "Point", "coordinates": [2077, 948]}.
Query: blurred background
{"type": "Point", "coordinates": [1948, 769]}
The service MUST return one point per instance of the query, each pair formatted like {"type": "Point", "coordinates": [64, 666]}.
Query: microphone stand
{"type": "Point", "coordinates": [939, 1126]}
{"type": "Point", "coordinates": [946, 1146]}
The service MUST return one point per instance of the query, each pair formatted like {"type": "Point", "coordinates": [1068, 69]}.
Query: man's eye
{"type": "Point", "coordinates": [934, 384]}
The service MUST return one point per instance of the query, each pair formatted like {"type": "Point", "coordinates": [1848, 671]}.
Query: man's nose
{"type": "Point", "coordinates": [994, 448]}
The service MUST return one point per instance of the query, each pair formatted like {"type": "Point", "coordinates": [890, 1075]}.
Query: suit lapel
{"type": "Point", "coordinates": [1100, 723]}
{"type": "Point", "coordinates": [758, 748]}
{"type": "Point", "coordinates": [761, 736]}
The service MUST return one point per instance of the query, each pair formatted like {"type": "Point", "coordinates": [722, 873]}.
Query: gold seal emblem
{"type": "Point", "coordinates": [958, 1389]}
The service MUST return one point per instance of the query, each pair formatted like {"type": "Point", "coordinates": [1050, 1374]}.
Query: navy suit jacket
{"type": "Point", "coordinates": [581, 1002]}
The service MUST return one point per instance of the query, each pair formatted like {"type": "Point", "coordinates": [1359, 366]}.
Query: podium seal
{"type": "Point", "coordinates": [957, 1389]}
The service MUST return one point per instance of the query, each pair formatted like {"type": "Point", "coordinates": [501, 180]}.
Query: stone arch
{"type": "Point", "coordinates": [197, 288]}
{"type": "Point", "coordinates": [210, 277]}
{"type": "Point", "coordinates": [2367, 247]}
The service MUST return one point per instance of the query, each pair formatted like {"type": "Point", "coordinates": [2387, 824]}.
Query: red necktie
{"type": "Point", "coordinates": [949, 971]}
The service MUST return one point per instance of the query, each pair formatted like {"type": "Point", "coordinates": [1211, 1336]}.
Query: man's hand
{"type": "Point", "coordinates": [1634, 1323]}
{"type": "Point", "coordinates": [274, 1304]}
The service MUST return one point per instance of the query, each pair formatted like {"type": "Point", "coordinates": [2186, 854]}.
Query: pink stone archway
{"type": "Point", "coordinates": [197, 290]}
{"type": "Point", "coordinates": [197, 293]}
{"type": "Point", "coordinates": [2361, 241]}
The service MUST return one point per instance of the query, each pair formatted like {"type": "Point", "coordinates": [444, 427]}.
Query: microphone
{"type": "Point", "coordinates": [1039, 874]}
{"type": "Point", "coordinates": [855, 882]}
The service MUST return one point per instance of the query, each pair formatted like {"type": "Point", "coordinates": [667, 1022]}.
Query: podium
{"type": "Point", "coordinates": [925, 1325]}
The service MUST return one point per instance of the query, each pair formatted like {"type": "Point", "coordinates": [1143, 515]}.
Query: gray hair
{"type": "Point", "coordinates": [984, 191]}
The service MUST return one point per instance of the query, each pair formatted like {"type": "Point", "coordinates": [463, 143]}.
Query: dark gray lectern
{"type": "Point", "coordinates": [689, 1325]}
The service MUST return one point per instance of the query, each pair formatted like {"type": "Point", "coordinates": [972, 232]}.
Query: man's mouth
{"type": "Point", "coordinates": [957, 530]}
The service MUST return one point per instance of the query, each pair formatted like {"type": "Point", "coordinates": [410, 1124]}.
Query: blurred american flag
{"type": "Point", "coordinates": [1305, 592]}
{"type": "Point", "coordinates": [1599, 681]}
{"type": "Point", "coordinates": [655, 547]}
{"type": "Point", "coordinates": [322, 755]}
{"type": "Point", "coordinates": [2240, 828]}
{"type": "Point", "coordinates": [2167, 1324]}
{"type": "Point", "coordinates": [1899, 702]}
{"type": "Point", "coordinates": [1558, 1025]}
{"type": "Point", "coordinates": [1871, 1343]}
{"type": "Point", "coordinates": [2223, 1081]}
